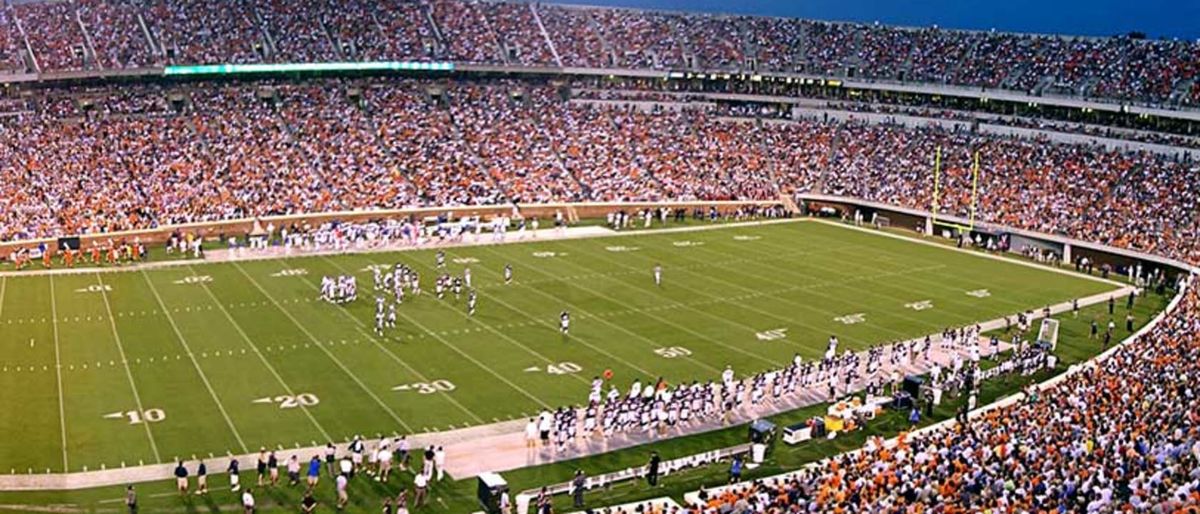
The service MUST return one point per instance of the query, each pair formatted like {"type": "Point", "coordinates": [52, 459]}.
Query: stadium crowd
{"type": "Point", "coordinates": [1118, 437]}
{"type": "Point", "coordinates": [97, 33]}
{"type": "Point", "coordinates": [92, 161]}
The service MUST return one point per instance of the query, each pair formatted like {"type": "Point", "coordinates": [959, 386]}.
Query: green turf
{"type": "Point", "coordinates": [458, 496]}
{"type": "Point", "coordinates": [201, 353]}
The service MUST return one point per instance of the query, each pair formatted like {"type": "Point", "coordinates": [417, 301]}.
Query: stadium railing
{"type": "Point", "coordinates": [666, 468]}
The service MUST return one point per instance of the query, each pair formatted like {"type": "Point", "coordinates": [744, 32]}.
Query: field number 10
{"type": "Point", "coordinates": [139, 417]}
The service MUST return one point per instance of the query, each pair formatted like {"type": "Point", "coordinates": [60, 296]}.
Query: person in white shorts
{"type": "Point", "coordinates": [248, 501]}
{"type": "Point", "coordinates": [385, 461]}
{"type": "Point", "coordinates": [531, 433]}
{"type": "Point", "coordinates": [439, 460]}
{"type": "Point", "coordinates": [343, 496]}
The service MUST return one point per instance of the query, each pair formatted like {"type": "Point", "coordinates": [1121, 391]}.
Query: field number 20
{"type": "Point", "coordinates": [288, 401]}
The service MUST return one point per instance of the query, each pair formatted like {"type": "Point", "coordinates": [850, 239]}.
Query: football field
{"type": "Point", "coordinates": [101, 370]}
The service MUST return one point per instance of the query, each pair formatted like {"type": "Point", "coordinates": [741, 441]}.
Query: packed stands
{"type": "Point", "coordinates": [57, 40]}
{"type": "Point", "coordinates": [193, 153]}
{"type": "Point", "coordinates": [403, 34]}
{"type": "Point", "coordinates": [63, 34]}
{"type": "Point", "coordinates": [297, 30]}
{"type": "Point", "coordinates": [190, 32]}
{"type": "Point", "coordinates": [1118, 437]}
{"type": "Point", "coordinates": [466, 33]}
{"type": "Point", "coordinates": [572, 33]}
{"type": "Point", "coordinates": [116, 33]}
{"type": "Point", "coordinates": [518, 33]}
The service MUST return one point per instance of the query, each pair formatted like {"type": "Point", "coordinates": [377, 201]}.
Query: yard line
{"type": "Point", "coordinates": [3, 288]}
{"type": "Point", "coordinates": [581, 340]}
{"type": "Point", "coordinates": [773, 293]}
{"type": "Point", "coordinates": [443, 341]}
{"type": "Point", "coordinates": [191, 356]}
{"type": "Point", "coordinates": [62, 412]}
{"type": "Point", "coordinates": [689, 307]}
{"type": "Point", "coordinates": [787, 300]}
{"type": "Point", "coordinates": [600, 318]}
{"type": "Point", "coordinates": [493, 330]}
{"type": "Point", "coordinates": [868, 291]}
{"type": "Point", "coordinates": [259, 354]}
{"type": "Point", "coordinates": [314, 339]}
{"type": "Point", "coordinates": [938, 284]}
{"type": "Point", "coordinates": [784, 269]}
{"type": "Point", "coordinates": [129, 375]}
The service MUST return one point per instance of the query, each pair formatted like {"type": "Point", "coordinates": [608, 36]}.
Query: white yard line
{"type": "Point", "coordinates": [631, 333]}
{"type": "Point", "coordinates": [362, 329]}
{"type": "Point", "coordinates": [318, 343]}
{"type": "Point", "coordinates": [868, 291]}
{"type": "Point", "coordinates": [137, 398]}
{"type": "Point", "coordinates": [967, 251]}
{"type": "Point", "coordinates": [192, 357]}
{"type": "Point", "coordinates": [551, 326]}
{"type": "Point", "coordinates": [62, 411]}
{"type": "Point", "coordinates": [657, 294]}
{"type": "Point", "coordinates": [245, 337]}
{"type": "Point", "coordinates": [952, 299]}
{"type": "Point", "coordinates": [3, 289]}
{"type": "Point", "coordinates": [457, 350]}
{"type": "Point", "coordinates": [576, 337]}
{"type": "Point", "coordinates": [508, 338]}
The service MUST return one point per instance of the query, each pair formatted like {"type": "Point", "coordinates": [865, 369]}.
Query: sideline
{"type": "Point", "coordinates": [218, 256]}
{"type": "Point", "coordinates": [692, 498]}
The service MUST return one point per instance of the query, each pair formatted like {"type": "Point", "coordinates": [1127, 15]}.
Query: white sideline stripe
{"type": "Point", "coordinates": [192, 357]}
{"type": "Point", "coordinates": [261, 358]}
{"type": "Point", "coordinates": [781, 298]}
{"type": "Point", "coordinates": [328, 353]}
{"type": "Point", "coordinates": [363, 330]}
{"type": "Point", "coordinates": [137, 399]}
{"type": "Point", "coordinates": [143, 473]}
{"type": "Point", "coordinates": [983, 255]}
{"type": "Point", "coordinates": [62, 411]}
{"type": "Point", "coordinates": [73, 481]}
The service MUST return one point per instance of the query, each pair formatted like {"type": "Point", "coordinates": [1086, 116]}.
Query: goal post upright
{"type": "Point", "coordinates": [937, 187]}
